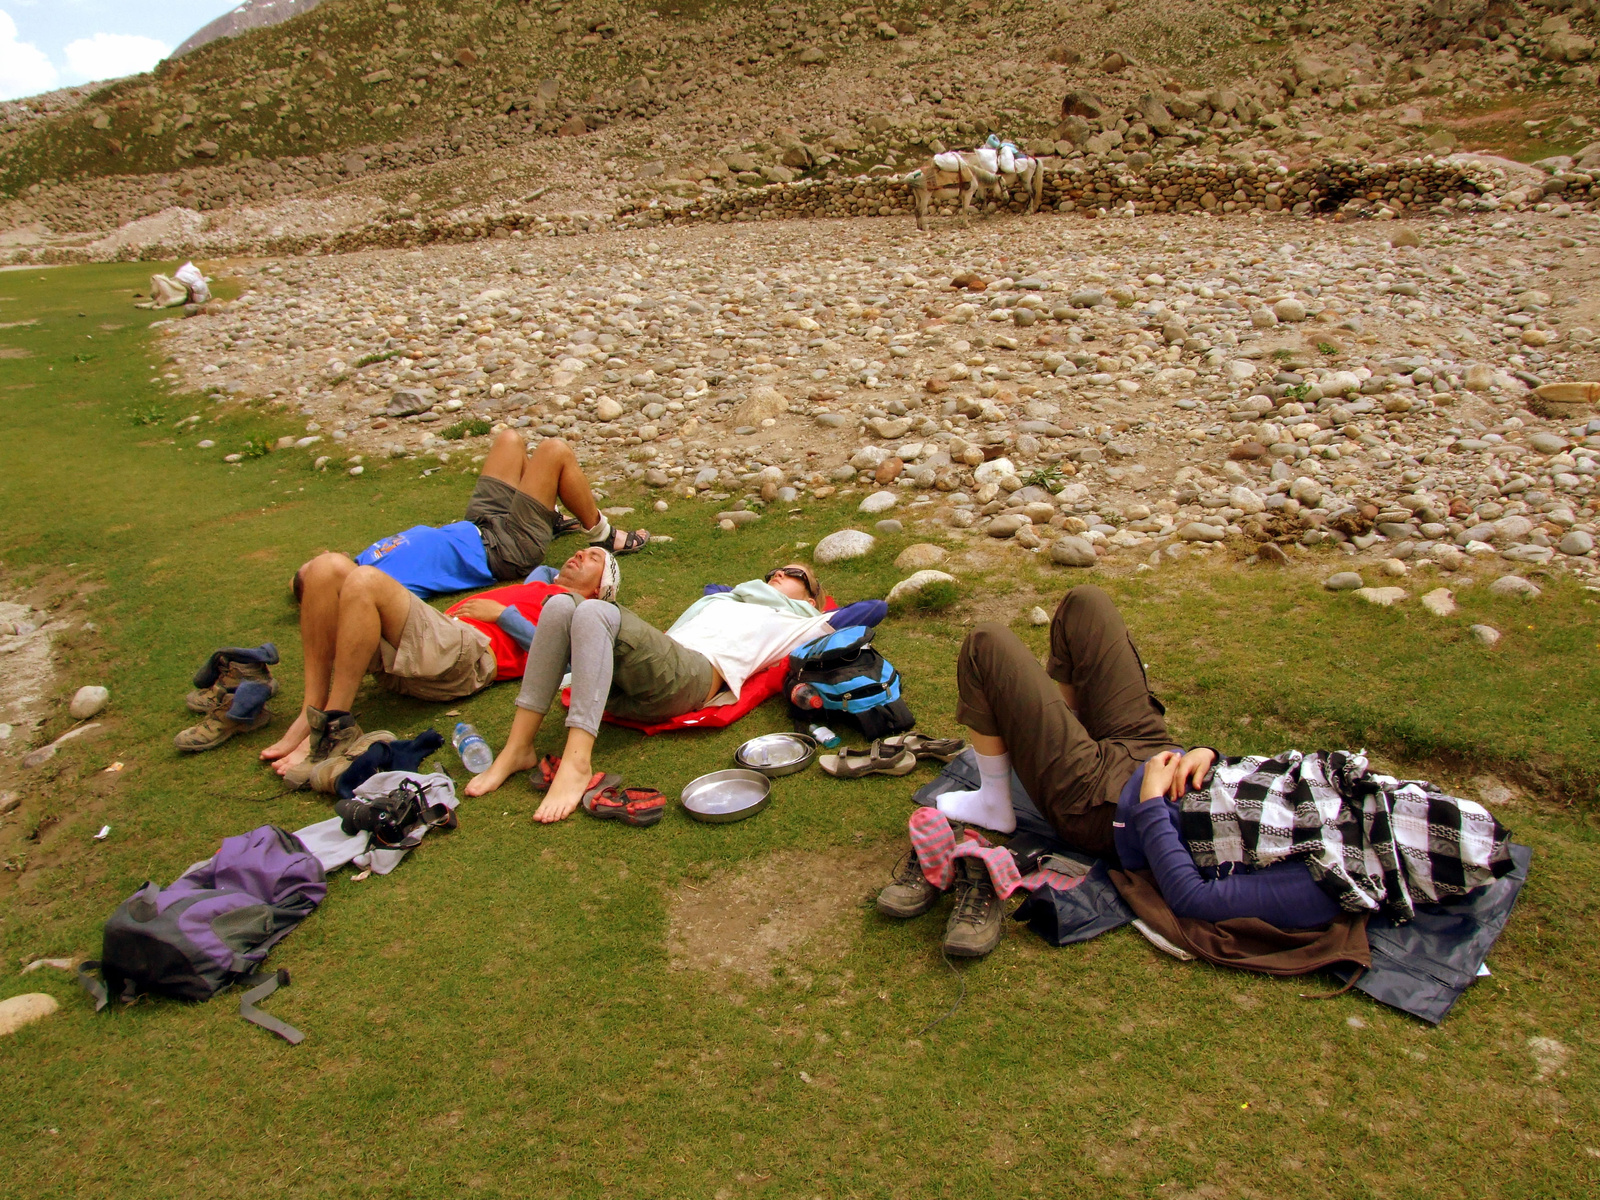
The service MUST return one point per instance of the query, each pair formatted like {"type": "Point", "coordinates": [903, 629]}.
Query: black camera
{"type": "Point", "coordinates": [386, 818]}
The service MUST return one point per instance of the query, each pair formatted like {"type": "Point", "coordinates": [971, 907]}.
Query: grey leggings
{"type": "Point", "coordinates": [584, 633]}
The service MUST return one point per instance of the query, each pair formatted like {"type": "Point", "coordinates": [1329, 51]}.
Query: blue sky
{"type": "Point", "coordinates": [46, 44]}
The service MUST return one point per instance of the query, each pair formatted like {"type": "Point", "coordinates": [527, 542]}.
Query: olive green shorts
{"type": "Point", "coordinates": [516, 528]}
{"type": "Point", "coordinates": [653, 678]}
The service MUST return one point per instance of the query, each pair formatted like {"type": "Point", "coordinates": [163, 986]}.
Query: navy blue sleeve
{"type": "Point", "coordinates": [1284, 895]}
{"type": "Point", "coordinates": [862, 612]}
{"type": "Point", "coordinates": [516, 626]}
{"type": "Point", "coordinates": [713, 588]}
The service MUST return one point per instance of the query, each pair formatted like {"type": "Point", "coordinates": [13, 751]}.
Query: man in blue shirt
{"type": "Point", "coordinates": [509, 524]}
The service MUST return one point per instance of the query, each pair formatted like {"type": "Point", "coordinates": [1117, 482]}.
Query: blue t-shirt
{"type": "Point", "coordinates": [431, 562]}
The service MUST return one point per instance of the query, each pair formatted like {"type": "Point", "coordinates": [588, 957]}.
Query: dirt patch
{"type": "Point", "coordinates": [777, 910]}
{"type": "Point", "coordinates": [15, 352]}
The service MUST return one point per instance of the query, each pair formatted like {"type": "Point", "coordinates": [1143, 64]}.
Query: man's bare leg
{"type": "Point", "coordinates": [549, 472]}
{"type": "Point", "coordinates": [518, 754]}
{"type": "Point", "coordinates": [571, 781]}
{"type": "Point", "coordinates": [321, 581]}
{"type": "Point", "coordinates": [371, 605]}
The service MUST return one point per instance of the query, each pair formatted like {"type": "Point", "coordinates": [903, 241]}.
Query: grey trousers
{"type": "Point", "coordinates": [620, 664]}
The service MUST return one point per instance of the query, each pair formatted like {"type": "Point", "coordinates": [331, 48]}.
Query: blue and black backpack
{"type": "Point", "coordinates": [843, 676]}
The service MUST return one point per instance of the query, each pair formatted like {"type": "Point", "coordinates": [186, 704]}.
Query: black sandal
{"type": "Point", "coordinates": [636, 540]}
{"type": "Point", "coordinates": [566, 525]}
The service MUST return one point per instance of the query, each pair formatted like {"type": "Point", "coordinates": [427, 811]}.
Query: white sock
{"type": "Point", "coordinates": [990, 805]}
{"type": "Point", "coordinates": [600, 534]}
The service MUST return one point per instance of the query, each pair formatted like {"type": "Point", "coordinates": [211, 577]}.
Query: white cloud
{"type": "Point", "coordinates": [112, 55]}
{"type": "Point", "coordinates": [25, 70]}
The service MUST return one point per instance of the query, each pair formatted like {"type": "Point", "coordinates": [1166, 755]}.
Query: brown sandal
{"type": "Point", "coordinates": [879, 759]}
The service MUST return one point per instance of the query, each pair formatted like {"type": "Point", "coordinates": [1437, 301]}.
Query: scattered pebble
{"type": "Point", "coordinates": [1381, 596]}
{"type": "Point", "coordinates": [1441, 602]}
{"type": "Point", "coordinates": [1343, 581]}
{"type": "Point", "coordinates": [25, 1009]}
{"type": "Point", "coordinates": [1038, 616]}
{"type": "Point", "coordinates": [1487, 634]}
{"type": "Point", "coordinates": [88, 701]}
{"type": "Point", "coordinates": [1514, 585]}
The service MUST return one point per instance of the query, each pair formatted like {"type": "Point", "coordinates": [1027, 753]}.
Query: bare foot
{"type": "Point", "coordinates": [294, 757]}
{"type": "Point", "coordinates": [296, 734]}
{"type": "Point", "coordinates": [566, 791]}
{"type": "Point", "coordinates": [506, 764]}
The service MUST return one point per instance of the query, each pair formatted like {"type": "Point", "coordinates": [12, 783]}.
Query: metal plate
{"type": "Point", "coordinates": [777, 754]}
{"type": "Point", "coordinates": [724, 796]}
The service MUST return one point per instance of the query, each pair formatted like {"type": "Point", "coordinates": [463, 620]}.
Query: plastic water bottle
{"type": "Point", "coordinates": [803, 695]}
{"type": "Point", "coordinates": [474, 751]}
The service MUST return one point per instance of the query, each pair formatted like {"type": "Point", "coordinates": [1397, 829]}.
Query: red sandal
{"type": "Point", "coordinates": [544, 772]}
{"type": "Point", "coordinates": [637, 806]}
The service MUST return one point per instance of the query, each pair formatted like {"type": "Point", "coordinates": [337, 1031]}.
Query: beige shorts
{"type": "Point", "coordinates": [438, 658]}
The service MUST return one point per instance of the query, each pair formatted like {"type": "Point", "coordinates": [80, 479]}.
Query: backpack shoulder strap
{"type": "Point", "coordinates": [261, 986]}
{"type": "Point", "coordinates": [96, 989]}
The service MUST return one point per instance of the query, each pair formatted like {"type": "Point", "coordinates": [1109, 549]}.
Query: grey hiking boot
{"type": "Point", "coordinates": [976, 921]}
{"type": "Point", "coordinates": [331, 737]}
{"type": "Point", "coordinates": [220, 694]}
{"type": "Point", "coordinates": [217, 728]}
{"type": "Point", "coordinates": [909, 894]}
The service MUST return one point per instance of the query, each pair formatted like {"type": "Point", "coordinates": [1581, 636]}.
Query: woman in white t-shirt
{"type": "Point", "coordinates": [622, 665]}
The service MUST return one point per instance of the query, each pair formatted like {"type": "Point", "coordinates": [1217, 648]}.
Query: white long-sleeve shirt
{"type": "Point", "coordinates": [746, 630]}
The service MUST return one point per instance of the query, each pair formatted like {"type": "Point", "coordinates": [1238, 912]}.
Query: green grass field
{"type": "Point", "coordinates": [531, 1011]}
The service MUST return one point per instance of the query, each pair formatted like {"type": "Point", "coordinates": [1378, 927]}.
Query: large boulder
{"type": "Point", "coordinates": [920, 556]}
{"type": "Point", "coordinates": [915, 583]}
{"type": "Point", "coordinates": [845, 543]}
{"type": "Point", "coordinates": [761, 403]}
{"type": "Point", "coordinates": [1073, 551]}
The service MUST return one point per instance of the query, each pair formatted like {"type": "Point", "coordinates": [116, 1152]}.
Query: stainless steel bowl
{"type": "Point", "coordinates": [777, 754]}
{"type": "Point", "coordinates": [725, 796]}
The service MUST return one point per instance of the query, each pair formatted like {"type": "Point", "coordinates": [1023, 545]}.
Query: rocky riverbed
{"type": "Point", "coordinates": [1094, 392]}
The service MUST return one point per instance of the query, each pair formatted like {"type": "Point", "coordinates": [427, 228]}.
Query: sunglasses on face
{"type": "Point", "coordinates": [792, 573]}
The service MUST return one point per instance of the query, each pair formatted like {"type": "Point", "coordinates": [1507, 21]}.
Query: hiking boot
{"type": "Point", "coordinates": [330, 738]}
{"type": "Point", "coordinates": [220, 693]}
{"type": "Point", "coordinates": [977, 919]}
{"type": "Point", "coordinates": [909, 894]}
{"type": "Point", "coordinates": [217, 728]}
{"type": "Point", "coordinates": [325, 775]}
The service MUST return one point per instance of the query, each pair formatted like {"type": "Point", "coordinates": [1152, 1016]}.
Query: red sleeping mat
{"type": "Point", "coordinates": [757, 690]}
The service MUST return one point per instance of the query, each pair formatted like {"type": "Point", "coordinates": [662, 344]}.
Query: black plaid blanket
{"type": "Point", "coordinates": [1371, 841]}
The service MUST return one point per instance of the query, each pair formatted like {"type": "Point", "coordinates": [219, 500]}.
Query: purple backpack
{"type": "Point", "coordinates": [213, 926]}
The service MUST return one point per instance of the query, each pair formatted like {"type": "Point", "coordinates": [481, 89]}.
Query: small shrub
{"type": "Point", "coordinates": [1283, 355]}
{"type": "Point", "coordinates": [1327, 348]}
{"type": "Point", "coordinates": [150, 414]}
{"type": "Point", "coordinates": [935, 597]}
{"type": "Point", "coordinates": [476, 427]}
{"type": "Point", "coordinates": [1048, 477]}
{"type": "Point", "coordinates": [366, 360]}
{"type": "Point", "coordinates": [256, 449]}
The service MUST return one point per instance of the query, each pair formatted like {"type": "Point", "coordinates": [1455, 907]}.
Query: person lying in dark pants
{"type": "Point", "coordinates": [1075, 729]}
{"type": "Point", "coordinates": [1089, 743]}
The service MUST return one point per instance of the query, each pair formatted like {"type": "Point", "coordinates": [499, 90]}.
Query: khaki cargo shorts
{"type": "Point", "coordinates": [438, 658]}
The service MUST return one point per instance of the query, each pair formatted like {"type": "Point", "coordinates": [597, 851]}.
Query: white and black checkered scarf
{"type": "Point", "coordinates": [1372, 842]}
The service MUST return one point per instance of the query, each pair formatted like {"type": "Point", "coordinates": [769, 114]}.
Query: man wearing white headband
{"type": "Point", "coordinates": [365, 622]}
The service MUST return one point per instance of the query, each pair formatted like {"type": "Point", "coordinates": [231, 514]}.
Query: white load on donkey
{"type": "Point", "coordinates": [995, 165]}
